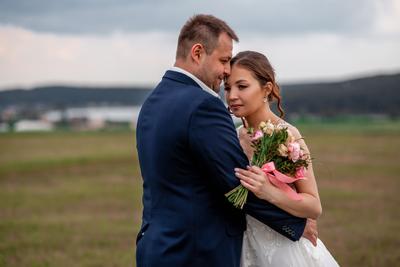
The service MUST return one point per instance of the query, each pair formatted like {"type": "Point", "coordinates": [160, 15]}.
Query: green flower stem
{"type": "Point", "coordinates": [238, 196]}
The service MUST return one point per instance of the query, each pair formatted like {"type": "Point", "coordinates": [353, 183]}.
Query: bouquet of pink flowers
{"type": "Point", "coordinates": [279, 155]}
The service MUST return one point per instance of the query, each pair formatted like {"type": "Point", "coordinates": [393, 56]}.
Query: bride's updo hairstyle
{"type": "Point", "coordinates": [262, 70]}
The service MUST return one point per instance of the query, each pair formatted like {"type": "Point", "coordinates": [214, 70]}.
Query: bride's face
{"type": "Point", "coordinates": [243, 92]}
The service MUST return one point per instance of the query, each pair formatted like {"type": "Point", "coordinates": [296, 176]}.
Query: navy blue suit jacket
{"type": "Point", "coordinates": [188, 149]}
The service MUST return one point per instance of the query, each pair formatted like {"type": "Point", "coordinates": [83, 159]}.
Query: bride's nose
{"type": "Point", "coordinates": [233, 94]}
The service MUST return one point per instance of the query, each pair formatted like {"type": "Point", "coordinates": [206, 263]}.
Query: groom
{"type": "Point", "coordinates": [188, 149]}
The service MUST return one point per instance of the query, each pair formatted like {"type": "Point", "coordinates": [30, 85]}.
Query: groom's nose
{"type": "Point", "coordinates": [227, 69]}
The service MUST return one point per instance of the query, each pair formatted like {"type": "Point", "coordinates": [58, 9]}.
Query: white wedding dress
{"type": "Point", "coordinates": [264, 247]}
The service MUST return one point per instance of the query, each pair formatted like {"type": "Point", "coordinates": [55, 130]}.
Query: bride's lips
{"type": "Point", "coordinates": [236, 106]}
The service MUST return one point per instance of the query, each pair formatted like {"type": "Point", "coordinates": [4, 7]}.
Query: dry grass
{"type": "Point", "coordinates": [73, 199]}
{"type": "Point", "coordinates": [358, 176]}
{"type": "Point", "coordinates": [68, 199]}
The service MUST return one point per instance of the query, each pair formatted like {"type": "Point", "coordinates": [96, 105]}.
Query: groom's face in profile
{"type": "Point", "coordinates": [215, 66]}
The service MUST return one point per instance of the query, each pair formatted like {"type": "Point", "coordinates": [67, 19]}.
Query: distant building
{"type": "Point", "coordinates": [94, 118]}
{"type": "Point", "coordinates": [33, 125]}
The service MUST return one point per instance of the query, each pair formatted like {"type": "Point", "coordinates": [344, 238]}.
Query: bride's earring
{"type": "Point", "coordinates": [265, 99]}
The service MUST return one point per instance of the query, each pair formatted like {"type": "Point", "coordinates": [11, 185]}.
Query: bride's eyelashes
{"type": "Point", "coordinates": [242, 86]}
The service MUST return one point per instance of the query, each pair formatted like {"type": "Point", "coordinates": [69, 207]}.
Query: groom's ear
{"type": "Point", "coordinates": [197, 52]}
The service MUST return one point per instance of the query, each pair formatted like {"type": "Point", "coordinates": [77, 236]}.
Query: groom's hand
{"type": "Point", "coordinates": [311, 231]}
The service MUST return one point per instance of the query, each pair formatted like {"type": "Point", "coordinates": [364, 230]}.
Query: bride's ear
{"type": "Point", "coordinates": [268, 87]}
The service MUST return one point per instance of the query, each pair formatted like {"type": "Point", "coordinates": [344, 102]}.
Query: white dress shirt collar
{"type": "Point", "coordinates": [197, 80]}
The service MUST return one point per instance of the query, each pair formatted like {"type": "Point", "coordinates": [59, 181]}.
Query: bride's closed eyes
{"type": "Point", "coordinates": [242, 86]}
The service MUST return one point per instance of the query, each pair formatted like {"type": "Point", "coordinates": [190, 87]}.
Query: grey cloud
{"type": "Point", "coordinates": [278, 17]}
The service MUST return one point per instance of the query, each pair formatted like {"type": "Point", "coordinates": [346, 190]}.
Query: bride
{"type": "Point", "coordinates": [248, 90]}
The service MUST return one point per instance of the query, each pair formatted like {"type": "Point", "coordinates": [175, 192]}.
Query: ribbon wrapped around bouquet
{"type": "Point", "coordinates": [281, 180]}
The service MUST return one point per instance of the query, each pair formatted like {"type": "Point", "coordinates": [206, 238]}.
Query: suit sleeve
{"type": "Point", "coordinates": [213, 139]}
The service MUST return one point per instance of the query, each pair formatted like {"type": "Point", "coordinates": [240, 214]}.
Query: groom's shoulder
{"type": "Point", "coordinates": [178, 90]}
{"type": "Point", "coordinates": [194, 96]}
{"type": "Point", "coordinates": [204, 100]}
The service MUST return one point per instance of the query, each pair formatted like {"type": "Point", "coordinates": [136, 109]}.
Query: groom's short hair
{"type": "Point", "coordinates": [203, 29]}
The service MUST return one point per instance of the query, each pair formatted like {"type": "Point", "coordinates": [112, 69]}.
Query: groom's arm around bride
{"type": "Point", "coordinates": [214, 141]}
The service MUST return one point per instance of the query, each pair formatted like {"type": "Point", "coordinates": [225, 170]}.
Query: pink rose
{"type": "Point", "coordinates": [257, 135]}
{"type": "Point", "coordinates": [294, 151]}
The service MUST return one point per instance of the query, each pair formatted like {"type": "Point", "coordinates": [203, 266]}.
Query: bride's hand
{"type": "Point", "coordinates": [311, 231]}
{"type": "Point", "coordinates": [255, 180]}
{"type": "Point", "coordinates": [245, 143]}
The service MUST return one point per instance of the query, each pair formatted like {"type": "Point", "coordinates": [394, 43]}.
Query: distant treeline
{"type": "Point", "coordinates": [70, 96]}
{"type": "Point", "coordinates": [370, 95]}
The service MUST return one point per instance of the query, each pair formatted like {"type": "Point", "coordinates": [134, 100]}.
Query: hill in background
{"type": "Point", "coordinates": [73, 96]}
{"type": "Point", "coordinates": [369, 95]}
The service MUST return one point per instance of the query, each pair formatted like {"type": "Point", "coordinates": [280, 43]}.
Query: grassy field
{"type": "Point", "coordinates": [73, 199]}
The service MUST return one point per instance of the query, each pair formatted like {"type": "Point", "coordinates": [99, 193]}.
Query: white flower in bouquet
{"type": "Point", "coordinates": [283, 150]}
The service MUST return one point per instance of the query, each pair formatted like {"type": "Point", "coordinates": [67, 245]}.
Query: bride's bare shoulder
{"type": "Point", "coordinates": [296, 133]}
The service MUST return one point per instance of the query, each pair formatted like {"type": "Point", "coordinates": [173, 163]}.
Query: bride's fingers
{"type": "Point", "coordinates": [243, 172]}
{"type": "Point", "coordinates": [260, 173]}
{"type": "Point", "coordinates": [257, 190]}
{"type": "Point", "coordinates": [256, 185]}
{"type": "Point", "coordinates": [262, 176]}
{"type": "Point", "coordinates": [246, 178]}
{"type": "Point", "coordinates": [256, 170]}
{"type": "Point", "coordinates": [254, 179]}
{"type": "Point", "coordinates": [248, 186]}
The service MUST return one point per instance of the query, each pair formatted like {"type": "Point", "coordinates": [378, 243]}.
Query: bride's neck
{"type": "Point", "coordinates": [264, 114]}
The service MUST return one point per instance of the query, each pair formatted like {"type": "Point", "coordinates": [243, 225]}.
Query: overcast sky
{"type": "Point", "coordinates": [126, 42]}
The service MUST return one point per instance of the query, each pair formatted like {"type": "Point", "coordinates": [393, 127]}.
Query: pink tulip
{"type": "Point", "coordinates": [294, 151]}
{"type": "Point", "coordinates": [257, 135]}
